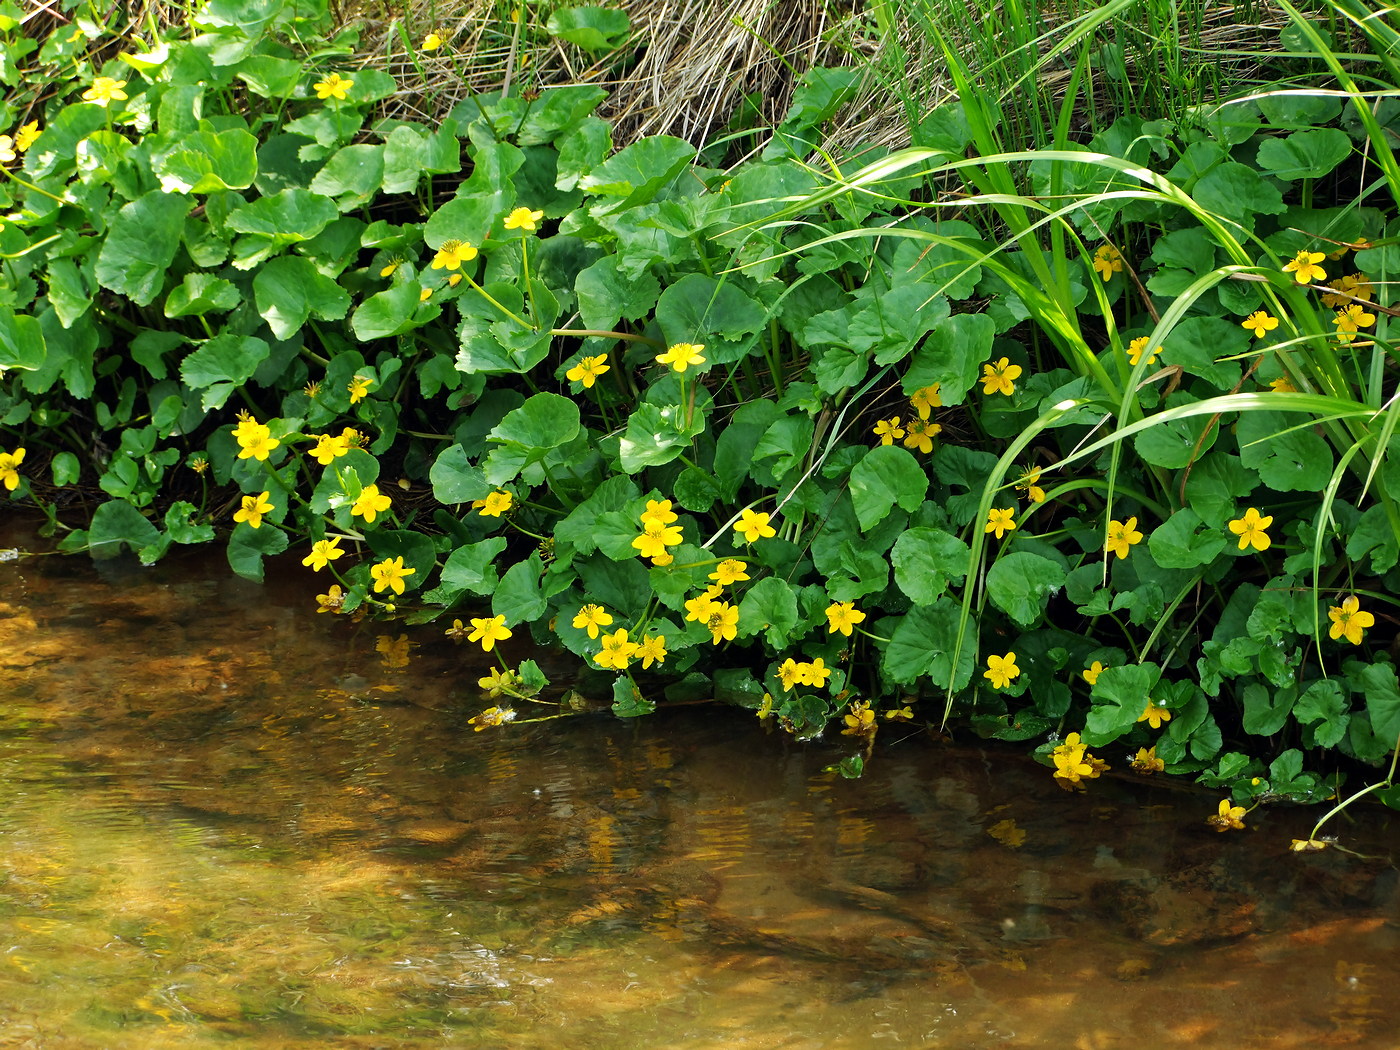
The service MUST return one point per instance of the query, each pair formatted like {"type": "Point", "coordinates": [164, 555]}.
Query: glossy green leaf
{"type": "Point", "coordinates": [392, 312]}
{"type": "Point", "coordinates": [886, 477]}
{"type": "Point", "coordinates": [921, 647]}
{"type": "Point", "coordinates": [208, 161]}
{"type": "Point", "coordinates": [142, 239]}
{"type": "Point", "coordinates": [769, 607]}
{"type": "Point", "coordinates": [926, 561]}
{"type": "Point", "coordinates": [591, 28]}
{"type": "Point", "coordinates": [22, 343]}
{"type": "Point", "coordinates": [201, 293]}
{"type": "Point", "coordinates": [1184, 542]}
{"type": "Point", "coordinates": [289, 290]}
{"type": "Point", "coordinates": [1020, 584]}
{"type": "Point", "coordinates": [518, 596]}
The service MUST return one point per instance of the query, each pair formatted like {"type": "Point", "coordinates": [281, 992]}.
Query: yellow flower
{"type": "Point", "coordinates": [842, 617]}
{"type": "Point", "coordinates": [682, 355]}
{"type": "Point", "coordinates": [651, 650]}
{"type": "Point", "coordinates": [458, 631]}
{"type": "Point", "coordinates": [1136, 348]}
{"type": "Point", "coordinates": [492, 716]}
{"type": "Point", "coordinates": [1351, 317]}
{"type": "Point", "coordinates": [369, 503]}
{"type": "Point", "coordinates": [900, 714]}
{"type": "Point", "coordinates": [494, 505]}
{"type": "Point", "coordinates": [1000, 378]}
{"type": "Point", "coordinates": [329, 448]}
{"type": "Point", "coordinates": [655, 538]}
{"type": "Point", "coordinates": [859, 719]}
{"type": "Point", "coordinates": [453, 254]}
{"type": "Point", "coordinates": [334, 86]}
{"type": "Point", "coordinates": [1308, 845]}
{"type": "Point", "coordinates": [888, 430]}
{"type": "Point", "coordinates": [9, 461]}
{"type": "Point", "coordinates": [588, 370]}
{"type": "Point", "coordinates": [395, 650]}
{"type": "Point", "coordinates": [1260, 322]}
{"type": "Point", "coordinates": [925, 400]}
{"type": "Point", "coordinates": [323, 552]}
{"type": "Point", "coordinates": [1229, 816]}
{"type": "Point", "coordinates": [253, 509]}
{"type": "Point", "coordinates": [424, 294]}
{"type": "Point", "coordinates": [815, 673]}
{"type": "Point", "coordinates": [658, 512]}
{"type": "Point", "coordinates": [390, 267]}
{"type": "Point", "coordinates": [1304, 268]}
{"type": "Point", "coordinates": [921, 434]}
{"type": "Point", "coordinates": [1030, 485]}
{"type": "Point", "coordinates": [1349, 620]}
{"type": "Point", "coordinates": [1092, 672]}
{"type": "Point", "coordinates": [1283, 385]}
{"type": "Point", "coordinates": [1001, 521]}
{"type": "Point", "coordinates": [1154, 715]}
{"type": "Point", "coordinates": [104, 90]}
{"type": "Point", "coordinates": [664, 558]}
{"type": "Point", "coordinates": [723, 622]}
{"type": "Point", "coordinates": [354, 438]}
{"type": "Point", "coordinates": [331, 601]}
{"type": "Point", "coordinates": [789, 673]}
{"type": "Point", "coordinates": [590, 618]}
{"type": "Point", "coordinates": [358, 388]}
{"type": "Point", "coordinates": [1001, 670]}
{"type": "Point", "coordinates": [255, 440]}
{"type": "Point", "coordinates": [1250, 529]}
{"type": "Point", "coordinates": [523, 219]}
{"type": "Point", "coordinates": [1107, 261]}
{"type": "Point", "coordinates": [432, 42]}
{"type": "Point", "coordinates": [454, 279]}
{"type": "Point", "coordinates": [1122, 535]}
{"type": "Point", "coordinates": [389, 574]}
{"type": "Point", "coordinates": [1073, 763]}
{"type": "Point", "coordinates": [699, 607]}
{"type": "Point", "coordinates": [1146, 761]}
{"type": "Point", "coordinates": [497, 681]}
{"type": "Point", "coordinates": [7, 149]}
{"type": "Point", "coordinates": [730, 570]}
{"type": "Point", "coordinates": [753, 526]}
{"type": "Point", "coordinates": [616, 652]}
{"type": "Point", "coordinates": [488, 630]}
{"type": "Point", "coordinates": [27, 135]}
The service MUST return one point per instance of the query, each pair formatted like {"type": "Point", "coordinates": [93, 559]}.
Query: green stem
{"type": "Point", "coordinates": [494, 302]}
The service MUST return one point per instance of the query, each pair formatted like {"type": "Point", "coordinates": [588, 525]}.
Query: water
{"type": "Point", "coordinates": [226, 820]}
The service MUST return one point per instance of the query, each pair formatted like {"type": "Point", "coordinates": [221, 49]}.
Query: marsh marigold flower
{"type": "Point", "coordinates": [253, 509]}
{"type": "Point", "coordinates": [1029, 483]}
{"type": "Point", "coordinates": [655, 538]}
{"type": "Point", "coordinates": [616, 652]}
{"type": "Point", "coordinates": [1107, 261]}
{"type": "Point", "coordinates": [488, 630]}
{"type": "Point", "coordinates": [859, 719]}
{"type": "Point", "coordinates": [1304, 268]}
{"type": "Point", "coordinates": [588, 370]}
{"type": "Point", "coordinates": [590, 618]}
{"type": "Point", "coordinates": [1154, 716]}
{"type": "Point", "coordinates": [682, 355]}
{"type": "Point", "coordinates": [490, 718]}
{"type": "Point", "coordinates": [7, 149]}
{"type": "Point", "coordinates": [1146, 761]}
{"type": "Point", "coordinates": [1349, 620]}
{"type": "Point", "coordinates": [1259, 323]}
{"type": "Point", "coordinates": [1250, 529]}
{"type": "Point", "coordinates": [1001, 520]}
{"type": "Point", "coordinates": [329, 448]}
{"type": "Point", "coordinates": [658, 512]}
{"type": "Point", "coordinates": [255, 440]}
{"type": "Point", "coordinates": [698, 608]}
{"type": "Point", "coordinates": [104, 90]}
{"type": "Point", "coordinates": [920, 434]}
{"type": "Point", "coordinates": [497, 681]}
{"type": "Point", "coordinates": [888, 430]}
{"type": "Point", "coordinates": [730, 570]}
{"type": "Point", "coordinates": [1001, 670]}
{"type": "Point", "coordinates": [651, 650]}
{"type": "Point", "coordinates": [9, 464]}
{"type": "Point", "coordinates": [331, 601]}
{"type": "Point", "coordinates": [370, 503]}
{"type": "Point", "coordinates": [389, 574]}
{"type": "Point", "coordinates": [334, 86]}
{"type": "Point", "coordinates": [431, 42]}
{"type": "Point", "coordinates": [1282, 385]}
{"type": "Point", "coordinates": [925, 400]}
{"type": "Point", "coordinates": [814, 673]}
{"type": "Point", "coordinates": [1000, 378]}
{"type": "Point", "coordinates": [1122, 535]}
{"type": "Point", "coordinates": [523, 219]}
{"type": "Point", "coordinates": [1228, 816]}
{"type": "Point", "coordinates": [753, 526]}
{"type": "Point", "coordinates": [842, 617]}
{"type": "Point", "coordinates": [27, 135]}
{"type": "Point", "coordinates": [1136, 348]}
{"type": "Point", "coordinates": [723, 622]}
{"type": "Point", "coordinates": [1091, 673]}
{"type": "Point", "coordinates": [453, 254]}
{"type": "Point", "coordinates": [323, 552]}
{"type": "Point", "coordinates": [789, 673]}
{"type": "Point", "coordinates": [358, 388]}
{"type": "Point", "coordinates": [494, 505]}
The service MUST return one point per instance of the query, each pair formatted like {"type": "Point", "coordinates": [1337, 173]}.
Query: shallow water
{"type": "Point", "coordinates": [225, 819]}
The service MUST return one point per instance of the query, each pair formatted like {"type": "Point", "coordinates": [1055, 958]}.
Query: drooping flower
{"type": "Point", "coordinates": [323, 552]}
{"type": "Point", "coordinates": [1029, 483]}
{"type": "Point", "coordinates": [652, 649]}
{"type": "Point", "coordinates": [389, 574]}
{"type": "Point", "coordinates": [1229, 816]}
{"type": "Point", "coordinates": [1091, 673]}
{"type": "Point", "coordinates": [1304, 268]}
{"type": "Point", "coordinates": [494, 505]}
{"type": "Point", "coordinates": [1107, 261]}
{"type": "Point", "coordinates": [729, 571]}
{"type": "Point", "coordinates": [331, 601]}
{"type": "Point", "coordinates": [1154, 715]}
{"type": "Point", "coordinates": [1349, 620]}
{"type": "Point", "coordinates": [616, 652]}
{"type": "Point", "coordinates": [1250, 529]}
{"type": "Point", "coordinates": [590, 618]}
{"type": "Point", "coordinates": [859, 719]}
{"type": "Point", "coordinates": [588, 370]}
{"type": "Point", "coordinates": [105, 90]}
{"type": "Point", "coordinates": [27, 135]}
{"type": "Point", "coordinates": [926, 399]}
{"type": "Point", "coordinates": [253, 509]}
{"type": "Point", "coordinates": [888, 430]}
{"type": "Point", "coordinates": [658, 512]}
{"type": "Point", "coordinates": [488, 630]}
{"type": "Point", "coordinates": [453, 254]}
{"type": "Point", "coordinates": [370, 503]}
{"type": "Point", "coordinates": [1146, 761]}
{"type": "Point", "coordinates": [9, 464]}
{"type": "Point", "coordinates": [334, 86]}
{"type": "Point", "coordinates": [329, 448]}
{"type": "Point", "coordinates": [1122, 535]}
{"type": "Point", "coordinates": [523, 219]}
{"type": "Point", "coordinates": [491, 717]}
{"type": "Point", "coordinates": [358, 388]}
{"type": "Point", "coordinates": [1000, 520]}
{"type": "Point", "coordinates": [842, 617]}
{"type": "Point", "coordinates": [1001, 670]}
{"type": "Point", "coordinates": [681, 356]}
{"type": "Point", "coordinates": [920, 434]}
{"type": "Point", "coordinates": [753, 526]}
{"type": "Point", "coordinates": [1259, 323]}
{"type": "Point", "coordinates": [1000, 378]}
{"type": "Point", "coordinates": [1136, 349]}
{"type": "Point", "coordinates": [723, 622]}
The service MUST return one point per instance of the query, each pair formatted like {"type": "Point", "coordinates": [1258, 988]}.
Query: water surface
{"type": "Point", "coordinates": [226, 820]}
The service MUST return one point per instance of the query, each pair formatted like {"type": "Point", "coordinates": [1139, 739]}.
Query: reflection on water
{"type": "Point", "coordinates": [224, 818]}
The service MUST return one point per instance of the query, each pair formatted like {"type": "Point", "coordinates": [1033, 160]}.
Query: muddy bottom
{"type": "Point", "coordinates": [227, 820]}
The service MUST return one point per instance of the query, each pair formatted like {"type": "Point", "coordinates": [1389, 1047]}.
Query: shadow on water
{"type": "Point", "coordinates": [226, 819]}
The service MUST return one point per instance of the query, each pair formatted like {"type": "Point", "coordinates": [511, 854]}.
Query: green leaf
{"type": "Point", "coordinates": [711, 312]}
{"type": "Point", "coordinates": [1197, 342]}
{"type": "Point", "coordinates": [1323, 708]}
{"type": "Point", "coordinates": [1020, 584]}
{"type": "Point", "coordinates": [392, 312]}
{"type": "Point", "coordinates": [117, 524]}
{"type": "Point", "coordinates": [545, 421]}
{"type": "Point", "coordinates": [289, 290]}
{"type": "Point", "coordinates": [922, 643]}
{"type": "Point", "coordinates": [201, 293]}
{"type": "Point", "coordinates": [473, 567]}
{"type": "Point", "coordinates": [21, 342]}
{"type": "Point", "coordinates": [352, 175]}
{"type": "Point", "coordinates": [1304, 154]}
{"type": "Point", "coordinates": [289, 216]}
{"type": "Point", "coordinates": [1180, 543]}
{"type": "Point", "coordinates": [591, 28]}
{"type": "Point", "coordinates": [952, 356]}
{"type": "Point", "coordinates": [1266, 711]}
{"type": "Point", "coordinates": [887, 476]}
{"type": "Point", "coordinates": [1288, 460]}
{"type": "Point", "coordinates": [248, 546]}
{"type": "Point", "coordinates": [925, 561]}
{"type": "Point", "coordinates": [1377, 682]}
{"type": "Point", "coordinates": [605, 294]}
{"type": "Point", "coordinates": [467, 218]}
{"type": "Point", "coordinates": [628, 701]}
{"type": "Point", "coordinates": [141, 243]}
{"type": "Point", "coordinates": [656, 434]}
{"type": "Point", "coordinates": [209, 161]}
{"type": "Point", "coordinates": [769, 606]}
{"type": "Point", "coordinates": [1120, 695]}
{"type": "Point", "coordinates": [518, 596]}
{"type": "Point", "coordinates": [637, 172]}
{"type": "Point", "coordinates": [455, 479]}
{"type": "Point", "coordinates": [180, 524]}
{"type": "Point", "coordinates": [1233, 189]}
{"type": "Point", "coordinates": [225, 358]}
